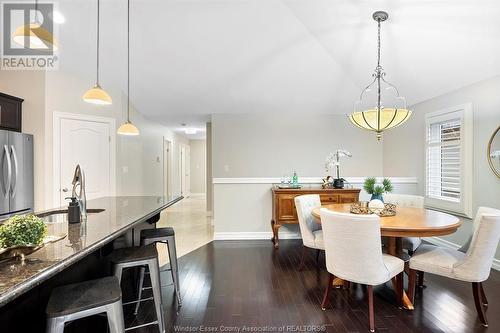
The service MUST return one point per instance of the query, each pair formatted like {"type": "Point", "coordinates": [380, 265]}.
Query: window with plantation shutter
{"type": "Point", "coordinates": [449, 160]}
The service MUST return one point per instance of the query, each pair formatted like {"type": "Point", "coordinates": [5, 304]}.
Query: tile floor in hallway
{"type": "Point", "coordinates": [193, 227]}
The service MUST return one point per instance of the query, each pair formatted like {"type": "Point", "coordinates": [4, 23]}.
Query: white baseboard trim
{"type": "Point", "coordinates": [295, 235]}
{"type": "Point", "coordinates": [444, 243]}
{"type": "Point", "coordinates": [253, 235]}
{"type": "Point", "coordinates": [306, 180]}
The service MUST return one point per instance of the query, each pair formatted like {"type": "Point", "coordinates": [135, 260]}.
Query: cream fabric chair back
{"type": "Point", "coordinates": [476, 265]}
{"type": "Point", "coordinates": [353, 247]}
{"type": "Point", "coordinates": [307, 224]}
{"type": "Point", "coordinates": [405, 200]}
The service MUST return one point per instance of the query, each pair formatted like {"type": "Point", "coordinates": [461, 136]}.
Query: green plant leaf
{"type": "Point", "coordinates": [369, 185]}
{"type": "Point", "coordinates": [378, 190]}
{"type": "Point", "coordinates": [387, 185]}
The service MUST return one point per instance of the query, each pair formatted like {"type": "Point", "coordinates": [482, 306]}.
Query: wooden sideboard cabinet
{"type": "Point", "coordinates": [284, 211]}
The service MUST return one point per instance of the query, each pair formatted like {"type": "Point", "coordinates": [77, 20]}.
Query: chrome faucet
{"type": "Point", "coordinates": [79, 181]}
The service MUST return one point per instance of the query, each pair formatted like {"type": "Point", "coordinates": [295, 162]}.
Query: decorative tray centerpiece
{"type": "Point", "coordinates": [22, 235]}
{"type": "Point", "coordinates": [379, 208]}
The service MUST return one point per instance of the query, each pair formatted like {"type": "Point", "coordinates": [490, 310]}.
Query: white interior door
{"type": "Point", "coordinates": [86, 142]}
{"type": "Point", "coordinates": [182, 169]}
{"type": "Point", "coordinates": [187, 170]}
{"type": "Point", "coordinates": [167, 160]}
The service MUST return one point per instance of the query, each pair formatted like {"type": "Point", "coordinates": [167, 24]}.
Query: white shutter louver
{"type": "Point", "coordinates": [443, 160]}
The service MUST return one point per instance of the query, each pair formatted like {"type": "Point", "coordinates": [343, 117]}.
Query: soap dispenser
{"type": "Point", "coordinates": [73, 211]}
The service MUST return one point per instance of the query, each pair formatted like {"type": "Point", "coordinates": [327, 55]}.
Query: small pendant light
{"type": "Point", "coordinates": [97, 95]}
{"type": "Point", "coordinates": [34, 36]}
{"type": "Point", "coordinates": [128, 128]}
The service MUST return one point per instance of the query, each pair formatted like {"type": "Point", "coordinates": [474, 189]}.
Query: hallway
{"type": "Point", "coordinates": [193, 228]}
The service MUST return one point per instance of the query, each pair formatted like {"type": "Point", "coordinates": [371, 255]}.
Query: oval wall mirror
{"type": "Point", "coordinates": [494, 152]}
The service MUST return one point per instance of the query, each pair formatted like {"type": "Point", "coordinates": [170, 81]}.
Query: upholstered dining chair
{"type": "Point", "coordinates": [406, 200]}
{"type": "Point", "coordinates": [354, 253]}
{"type": "Point", "coordinates": [473, 266]}
{"type": "Point", "coordinates": [310, 230]}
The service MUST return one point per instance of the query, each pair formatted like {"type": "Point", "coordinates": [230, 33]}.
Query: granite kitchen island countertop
{"type": "Point", "coordinates": [120, 214]}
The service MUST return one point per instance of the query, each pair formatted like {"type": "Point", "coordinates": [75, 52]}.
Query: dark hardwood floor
{"type": "Point", "coordinates": [237, 283]}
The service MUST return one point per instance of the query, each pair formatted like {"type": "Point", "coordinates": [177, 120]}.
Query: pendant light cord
{"type": "Point", "coordinates": [128, 61]}
{"type": "Point", "coordinates": [97, 48]}
{"type": "Point", "coordinates": [379, 75]}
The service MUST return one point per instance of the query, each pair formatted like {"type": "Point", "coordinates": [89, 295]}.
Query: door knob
{"type": "Point", "coordinates": [65, 189]}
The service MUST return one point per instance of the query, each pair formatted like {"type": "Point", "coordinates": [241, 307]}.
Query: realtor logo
{"type": "Point", "coordinates": [28, 36]}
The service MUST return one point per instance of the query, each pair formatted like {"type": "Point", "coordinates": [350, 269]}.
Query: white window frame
{"type": "Point", "coordinates": [464, 113]}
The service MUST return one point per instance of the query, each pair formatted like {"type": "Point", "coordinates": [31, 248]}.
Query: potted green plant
{"type": "Point", "coordinates": [22, 230]}
{"type": "Point", "coordinates": [376, 191]}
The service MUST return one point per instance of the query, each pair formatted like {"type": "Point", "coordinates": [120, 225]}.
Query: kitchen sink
{"type": "Point", "coordinates": [61, 215]}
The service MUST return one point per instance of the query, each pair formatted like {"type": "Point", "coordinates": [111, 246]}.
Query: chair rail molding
{"type": "Point", "coordinates": [306, 180]}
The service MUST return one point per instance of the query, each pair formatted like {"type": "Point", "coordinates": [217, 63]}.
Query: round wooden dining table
{"type": "Point", "coordinates": [408, 222]}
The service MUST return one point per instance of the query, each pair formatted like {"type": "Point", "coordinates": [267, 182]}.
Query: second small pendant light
{"type": "Point", "coordinates": [97, 95]}
{"type": "Point", "coordinates": [128, 128]}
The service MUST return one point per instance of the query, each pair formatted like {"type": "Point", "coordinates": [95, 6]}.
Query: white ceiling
{"type": "Point", "coordinates": [194, 58]}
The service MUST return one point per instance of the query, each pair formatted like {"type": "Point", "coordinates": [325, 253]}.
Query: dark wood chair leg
{"type": "Point", "coordinates": [303, 258]}
{"type": "Point", "coordinates": [476, 291]}
{"type": "Point", "coordinates": [399, 291]}
{"type": "Point", "coordinates": [326, 295]}
{"type": "Point", "coordinates": [420, 279]}
{"type": "Point", "coordinates": [412, 276]}
{"type": "Point", "coordinates": [484, 300]}
{"type": "Point", "coordinates": [370, 308]}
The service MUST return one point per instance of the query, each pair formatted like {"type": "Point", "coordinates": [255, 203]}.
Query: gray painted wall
{"type": "Point", "coordinates": [404, 146]}
{"type": "Point", "coordinates": [264, 145]}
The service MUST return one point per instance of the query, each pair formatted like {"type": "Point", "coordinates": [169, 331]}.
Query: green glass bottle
{"type": "Point", "coordinates": [295, 179]}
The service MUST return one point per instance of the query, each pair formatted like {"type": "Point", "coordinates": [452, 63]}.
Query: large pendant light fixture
{"type": "Point", "coordinates": [128, 128]}
{"type": "Point", "coordinates": [379, 107]}
{"type": "Point", "coordinates": [97, 95]}
{"type": "Point", "coordinates": [34, 36]}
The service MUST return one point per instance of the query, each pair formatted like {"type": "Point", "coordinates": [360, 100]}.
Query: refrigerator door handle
{"type": "Point", "coordinates": [16, 170]}
{"type": "Point", "coordinates": [6, 188]}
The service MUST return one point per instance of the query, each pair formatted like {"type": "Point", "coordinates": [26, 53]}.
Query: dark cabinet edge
{"type": "Point", "coordinates": [18, 99]}
{"type": "Point", "coordinates": [17, 127]}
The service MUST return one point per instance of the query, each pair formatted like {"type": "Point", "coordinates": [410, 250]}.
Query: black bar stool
{"type": "Point", "coordinates": [85, 299]}
{"type": "Point", "coordinates": [161, 235]}
{"type": "Point", "coordinates": [139, 257]}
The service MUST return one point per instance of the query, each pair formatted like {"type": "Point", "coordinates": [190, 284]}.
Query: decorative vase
{"type": "Point", "coordinates": [338, 183]}
{"type": "Point", "coordinates": [377, 196]}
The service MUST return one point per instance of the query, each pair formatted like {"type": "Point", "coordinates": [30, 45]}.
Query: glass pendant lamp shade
{"type": "Point", "coordinates": [380, 107]}
{"type": "Point", "coordinates": [128, 129]}
{"type": "Point", "coordinates": [36, 36]}
{"type": "Point", "coordinates": [97, 95]}
{"type": "Point", "coordinates": [376, 121]}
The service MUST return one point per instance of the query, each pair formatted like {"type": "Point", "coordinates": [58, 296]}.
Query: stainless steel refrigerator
{"type": "Point", "coordinates": [16, 174]}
